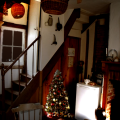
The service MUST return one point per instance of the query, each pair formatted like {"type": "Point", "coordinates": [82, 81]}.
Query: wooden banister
{"type": "Point", "coordinates": [3, 90]}
{"type": "Point", "coordinates": [22, 54]}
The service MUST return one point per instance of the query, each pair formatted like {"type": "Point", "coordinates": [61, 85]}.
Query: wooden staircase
{"type": "Point", "coordinates": [18, 93]}
{"type": "Point", "coordinates": [12, 93]}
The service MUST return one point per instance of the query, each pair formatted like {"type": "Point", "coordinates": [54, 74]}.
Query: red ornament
{"type": "Point", "coordinates": [59, 91]}
{"type": "Point", "coordinates": [63, 103]}
{"type": "Point", "coordinates": [17, 10]}
{"type": "Point", "coordinates": [49, 115]}
{"type": "Point", "coordinates": [52, 104]}
{"type": "Point", "coordinates": [57, 75]}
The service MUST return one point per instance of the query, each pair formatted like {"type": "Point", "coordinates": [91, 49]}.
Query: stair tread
{"type": "Point", "coordinates": [8, 101]}
{"type": "Point", "coordinates": [22, 83]}
{"type": "Point", "coordinates": [28, 76]}
{"type": "Point", "coordinates": [0, 111]}
{"type": "Point", "coordinates": [14, 92]}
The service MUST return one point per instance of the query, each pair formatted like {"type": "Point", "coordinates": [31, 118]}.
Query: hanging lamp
{"type": "Point", "coordinates": [17, 10]}
{"type": "Point", "coordinates": [56, 7]}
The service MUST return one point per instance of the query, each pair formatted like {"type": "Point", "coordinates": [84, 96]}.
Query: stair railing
{"type": "Point", "coordinates": [4, 71]}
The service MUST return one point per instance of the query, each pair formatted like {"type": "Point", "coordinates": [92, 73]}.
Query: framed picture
{"type": "Point", "coordinates": [71, 51]}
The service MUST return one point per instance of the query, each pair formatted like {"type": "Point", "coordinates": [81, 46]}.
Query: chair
{"type": "Point", "coordinates": [30, 111]}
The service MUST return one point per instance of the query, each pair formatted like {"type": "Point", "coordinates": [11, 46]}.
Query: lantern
{"type": "Point", "coordinates": [17, 10]}
{"type": "Point", "coordinates": [56, 7]}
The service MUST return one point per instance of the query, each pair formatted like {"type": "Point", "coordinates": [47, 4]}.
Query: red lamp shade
{"type": "Point", "coordinates": [17, 10]}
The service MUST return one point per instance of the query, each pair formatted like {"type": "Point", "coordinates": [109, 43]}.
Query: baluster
{"type": "Point", "coordinates": [26, 68]}
{"type": "Point", "coordinates": [11, 87]}
{"type": "Point", "coordinates": [3, 90]}
{"type": "Point", "coordinates": [33, 63]}
{"type": "Point", "coordinates": [19, 74]}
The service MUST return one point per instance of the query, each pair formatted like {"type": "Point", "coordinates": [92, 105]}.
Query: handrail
{"type": "Point", "coordinates": [21, 54]}
{"type": "Point", "coordinates": [3, 72]}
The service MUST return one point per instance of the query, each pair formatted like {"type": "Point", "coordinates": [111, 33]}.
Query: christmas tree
{"type": "Point", "coordinates": [57, 99]}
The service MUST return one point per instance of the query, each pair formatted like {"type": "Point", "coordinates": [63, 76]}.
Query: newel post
{"type": "Point", "coordinates": [3, 89]}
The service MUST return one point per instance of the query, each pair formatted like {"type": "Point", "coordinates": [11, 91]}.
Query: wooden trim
{"type": "Point", "coordinates": [14, 25]}
{"type": "Point", "coordinates": [75, 14]}
{"type": "Point", "coordinates": [40, 88]}
{"type": "Point", "coordinates": [86, 58]}
{"type": "Point", "coordinates": [13, 67]}
{"type": "Point", "coordinates": [95, 37]}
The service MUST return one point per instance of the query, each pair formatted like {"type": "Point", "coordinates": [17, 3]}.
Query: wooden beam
{"type": "Point", "coordinates": [75, 14]}
{"type": "Point", "coordinates": [86, 58]}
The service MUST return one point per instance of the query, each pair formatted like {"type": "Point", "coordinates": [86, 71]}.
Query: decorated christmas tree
{"type": "Point", "coordinates": [57, 99]}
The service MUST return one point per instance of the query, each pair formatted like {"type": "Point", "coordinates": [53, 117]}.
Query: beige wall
{"type": "Point", "coordinates": [47, 36]}
{"type": "Point", "coordinates": [114, 27]}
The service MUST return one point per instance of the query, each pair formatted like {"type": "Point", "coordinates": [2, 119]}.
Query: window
{"type": "Point", "coordinates": [12, 43]}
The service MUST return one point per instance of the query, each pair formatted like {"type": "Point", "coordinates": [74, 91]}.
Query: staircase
{"type": "Point", "coordinates": [20, 91]}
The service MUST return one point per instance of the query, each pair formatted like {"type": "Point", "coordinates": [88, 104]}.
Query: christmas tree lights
{"type": "Point", "coordinates": [57, 100]}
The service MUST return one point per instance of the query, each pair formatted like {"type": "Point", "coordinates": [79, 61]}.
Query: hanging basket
{"type": "Point", "coordinates": [17, 10]}
{"type": "Point", "coordinates": [56, 7]}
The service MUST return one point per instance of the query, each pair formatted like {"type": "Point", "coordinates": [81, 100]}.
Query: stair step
{"type": "Point", "coordinates": [28, 76]}
{"type": "Point", "coordinates": [8, 101]}
{"type": "Point", "coordinates": [22, 83]}
{"type": "Point", "coordinates": [14, 92]}
{"type": "Point", "coordinates": [0, 112]}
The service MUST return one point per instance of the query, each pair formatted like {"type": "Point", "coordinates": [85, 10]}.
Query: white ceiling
{"type": "Point", "coordinates": [94, 6]}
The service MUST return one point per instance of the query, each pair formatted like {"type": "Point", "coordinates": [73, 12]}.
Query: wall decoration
{"type": "Point", "coordinates": [54, 42]}
{"type": "Point", "coordinates": [71, 51]}
{"type": "Point", "coordinates": [50, 21]}
{"type": "Point", "coordinates": [59, 26]}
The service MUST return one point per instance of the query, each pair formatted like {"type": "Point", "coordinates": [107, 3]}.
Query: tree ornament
{"type": "Point", "coordinates": [52, 104]}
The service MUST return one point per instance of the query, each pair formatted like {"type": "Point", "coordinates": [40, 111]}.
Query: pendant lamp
{"type": "Point", "coordinates": [17, 10]}
{"type": "Point", "coordinates": [56, 7]}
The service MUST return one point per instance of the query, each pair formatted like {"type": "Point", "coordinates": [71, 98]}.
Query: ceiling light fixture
{"type": "Point", "coordinates": [56, 7]}
{"type": "Point", "coordinates": [17, 10]}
